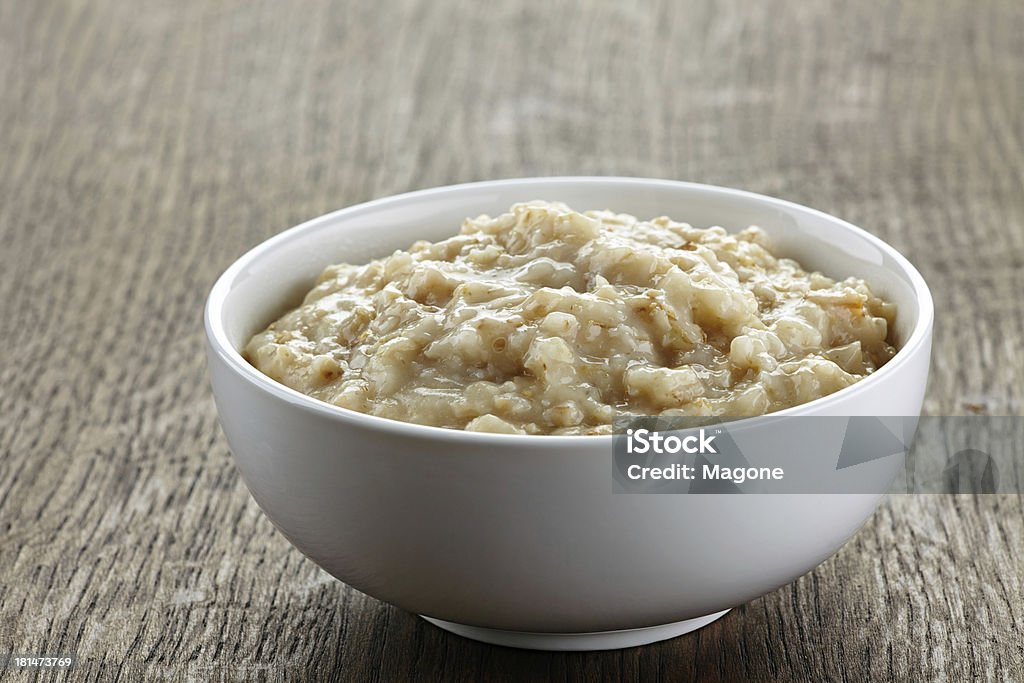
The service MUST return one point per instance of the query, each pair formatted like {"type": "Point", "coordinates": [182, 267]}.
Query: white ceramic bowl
{"type": "Point", "coordinates": [519, 540]}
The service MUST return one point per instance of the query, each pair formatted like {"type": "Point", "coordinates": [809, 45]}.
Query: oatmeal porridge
{"type": "Point", "coordinates": [544, 320]}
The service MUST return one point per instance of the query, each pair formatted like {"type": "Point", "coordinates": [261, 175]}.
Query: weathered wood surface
{"type": "Point", "coordinates": [144, 145]}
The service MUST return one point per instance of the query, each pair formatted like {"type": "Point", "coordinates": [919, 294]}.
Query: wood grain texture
{"type": "Point", "coordinates": [145, 145]}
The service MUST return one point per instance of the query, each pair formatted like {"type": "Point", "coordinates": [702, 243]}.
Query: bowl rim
{"type": "Point", "coordinates": [218, 343]}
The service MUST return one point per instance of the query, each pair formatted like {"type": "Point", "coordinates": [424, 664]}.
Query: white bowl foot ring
{"type": "Point", "coordinates": [577, 642]}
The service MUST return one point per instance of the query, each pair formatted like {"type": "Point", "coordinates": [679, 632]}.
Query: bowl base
{"type": "Point", "coordinates": [577, 642]}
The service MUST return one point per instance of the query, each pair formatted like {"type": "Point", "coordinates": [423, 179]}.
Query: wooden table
{"type": "Point", "coordinates": [144, 145]}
